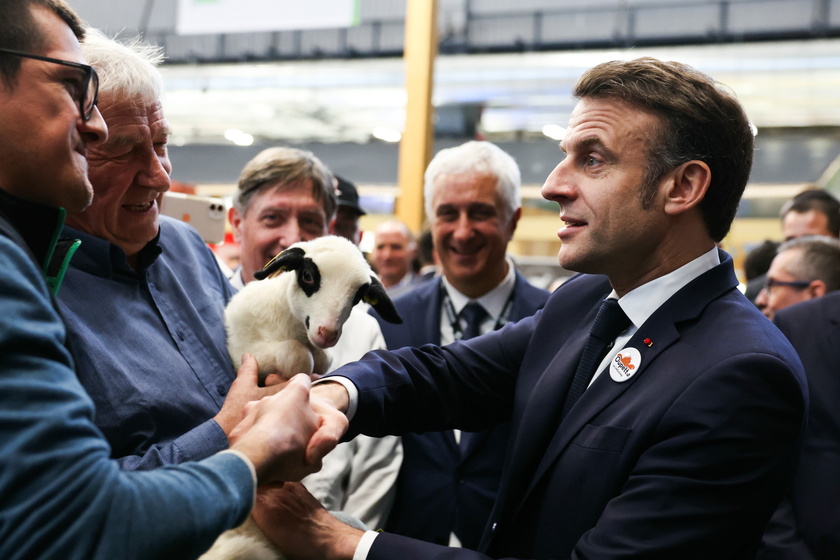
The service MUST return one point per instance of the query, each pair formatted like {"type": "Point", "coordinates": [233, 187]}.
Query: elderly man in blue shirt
{"type": "Point", "coordinates": [144, 298]}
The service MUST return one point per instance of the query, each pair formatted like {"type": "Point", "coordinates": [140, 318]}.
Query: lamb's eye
{"type": "Point", "coordinates": [306, 276]}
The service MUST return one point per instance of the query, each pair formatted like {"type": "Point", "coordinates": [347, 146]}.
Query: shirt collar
{"type": "Point", "coordinates": [493, 301]}
{"type": "Point", "coordinates": [236, 278]}
{"type": "Point", "coordinates": [639, 304]}
{"type": "Point", "coordinates": [105, 259]}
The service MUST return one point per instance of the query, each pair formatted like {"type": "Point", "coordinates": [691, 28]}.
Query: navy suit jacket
{"type": "Point", "coordinates": [688, 458]}
{"type": "Point", "coordinates": [807, 524]}
{"type": "Point", "coordinates": [440, 488]}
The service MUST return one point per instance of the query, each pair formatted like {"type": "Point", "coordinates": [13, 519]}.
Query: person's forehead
{"type": "Point", "coordinates": [57, 39]}
{"type": "Point", "coordinates": [391, 236]}
{"type": "Point", "coordinates": [605, 121]}
{"type": "Point", "coordinates": [783, 261]}
{"type": "Point", "coordinates": [465, 189]}
{"type": "Point", "coordinates": [810, 222]}
{"type": "Point", "coordinates": [135, 121]}
{"type": "Point", "coordinates": [298, 194]}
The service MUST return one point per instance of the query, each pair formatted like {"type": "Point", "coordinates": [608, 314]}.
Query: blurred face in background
{"type": "Point", "coordinates": [783, 288]}
{"type": "Point", "coordinates": [393, 253]}
{"type": "Point", "coordinates": [346, 224]}
{"type": "Point", "coordinates": [800, 224]}
{"type": "Point", "coordinates": [275, 219]}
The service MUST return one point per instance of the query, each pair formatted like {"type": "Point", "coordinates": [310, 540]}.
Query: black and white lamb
{"type": "Point", "coordinates": [286, 320]}
{"type": "Point", "coordinates": [299, 306]}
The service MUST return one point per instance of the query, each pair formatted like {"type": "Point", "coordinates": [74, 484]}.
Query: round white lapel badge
{"type": "Point", "coordinates": [625, 364]}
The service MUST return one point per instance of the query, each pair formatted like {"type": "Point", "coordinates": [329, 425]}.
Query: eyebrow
{"type": "Point", "coordinates": [589, 142]}
{"type": "Point", "coordinates": [124, 140]}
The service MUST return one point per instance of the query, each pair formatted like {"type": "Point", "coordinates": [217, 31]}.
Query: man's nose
{"type": "Point", "coordinates": [94, 130]}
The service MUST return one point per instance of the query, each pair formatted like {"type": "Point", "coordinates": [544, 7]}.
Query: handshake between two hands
{"type": "Point", "coordinates": [287, 434]}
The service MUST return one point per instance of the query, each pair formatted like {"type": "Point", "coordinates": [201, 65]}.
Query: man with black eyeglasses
{"type": "Point", "coordinates": [804, 268]}
{"type": "Point", "coordinates": [61, 495]}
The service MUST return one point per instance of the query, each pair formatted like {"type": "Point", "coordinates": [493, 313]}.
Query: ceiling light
{"type": "Point", "coordinates": [238, 137]}
{"type": "Point", "coordinates": [386, 134]}
{"type": "Point", "coordinates": [554, 131]}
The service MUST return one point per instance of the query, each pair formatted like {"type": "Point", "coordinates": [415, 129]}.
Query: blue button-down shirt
{"type": "Point", "coordinates": [150, 344]}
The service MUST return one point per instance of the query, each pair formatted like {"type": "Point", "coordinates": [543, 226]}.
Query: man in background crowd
{"type": "Point", "coordinates": [811, 212]}
{"type": "Point", "coordinates": [803, 268]}
{"type": "Point", "coordinates": [347, 213]}
{"type": "Point", "coordinates": [448, 481]}
{"type": "Point", "coordinates": [394, 251]}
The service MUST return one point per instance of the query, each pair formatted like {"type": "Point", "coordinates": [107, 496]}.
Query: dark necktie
{"type": "Point", "coordinates": [609, 323]}
{"type": "Point", "coordinates": [473, 315]}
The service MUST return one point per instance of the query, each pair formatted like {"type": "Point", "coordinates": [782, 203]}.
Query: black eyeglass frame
{"type": "Point", "coordinates": [770, 283]}
{"type": "Point", "coordinates": [91, 77]}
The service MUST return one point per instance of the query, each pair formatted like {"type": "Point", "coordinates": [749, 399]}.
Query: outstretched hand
{"type": "Point", "coordinates": [299, 525]}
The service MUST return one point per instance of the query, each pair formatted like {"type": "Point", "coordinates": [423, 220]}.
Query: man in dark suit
{"type": "Point", "coordinates": [806, 526]}
{"type": "Point", "coordinates": [683, 442]}
{"type": "Point", "coordinates": [448, 480]}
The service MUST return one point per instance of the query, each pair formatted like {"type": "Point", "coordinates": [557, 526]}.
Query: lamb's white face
{"type": "Point", "coordinates": [328, 288]}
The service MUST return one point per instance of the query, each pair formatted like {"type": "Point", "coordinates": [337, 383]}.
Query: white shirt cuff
{"type": "Point", "coordinates": [363, 548]}
{"type": "Point", "coordinates": [352, 391]}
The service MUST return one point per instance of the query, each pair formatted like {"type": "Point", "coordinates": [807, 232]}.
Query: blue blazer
{"type": "Point", "coordinates": [806, 526]}
{"type": "Point", "coordinates": [442, 489]}
{"type": "Point", "coordinates": [688, 458]}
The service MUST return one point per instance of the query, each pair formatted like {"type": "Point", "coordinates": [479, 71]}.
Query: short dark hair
{"type": "Point", "coordinates": [757, 261]}
{"type": "Point", "coordinates": [699, 120]}
{"type": "Point", "coordinates": [819, 259]}
{"type": "Point", "coordinates": [819, 200]}
{"type": "Point", "coordinates": [20, 32]}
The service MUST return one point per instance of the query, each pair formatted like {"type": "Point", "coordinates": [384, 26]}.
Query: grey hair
{"type": "Point", "coordinates": [476, 157]}
{"type": "Point", "coordinates": [392, 225]}
{"type": "Point", "coordinates": [281, 166]}
{"type": "Point", "coordinates": [819, 259]}
{"type": "Point", "coordinates": [126, 69]}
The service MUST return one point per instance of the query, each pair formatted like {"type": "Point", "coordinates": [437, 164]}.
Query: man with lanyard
{"type": "Point", "coordinates": [448, 480]}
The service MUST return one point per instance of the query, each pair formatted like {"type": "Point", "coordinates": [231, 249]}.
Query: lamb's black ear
{"type": "Point", "coordinates": [290, 259]}
{"type": "Point", "coordinates": [380, 301]}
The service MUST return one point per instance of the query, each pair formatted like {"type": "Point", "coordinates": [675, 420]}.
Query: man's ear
{"type": "Point", "coordinates": [687, 186]}
{"type": "Point", "coordinates": [816, 289]}
{"type": "Point", "coordinates": [514, 220]}
{"type": "Point", "coordinates": [235, 221]}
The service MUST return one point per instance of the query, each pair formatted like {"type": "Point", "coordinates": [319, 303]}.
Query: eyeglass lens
{"type": "Point", "coordinates": [91, 95]}
{"type": "Point", "coordinates": [90, 92]}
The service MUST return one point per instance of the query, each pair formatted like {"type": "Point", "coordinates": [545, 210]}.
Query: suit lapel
{"type": "Point", "coordinates": [424, 321]}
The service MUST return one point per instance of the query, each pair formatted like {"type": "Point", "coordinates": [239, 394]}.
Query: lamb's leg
{"type": "Point", "coordinates": [321, 361]}
{"type": "Point", "coordinates": [286, 358]}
